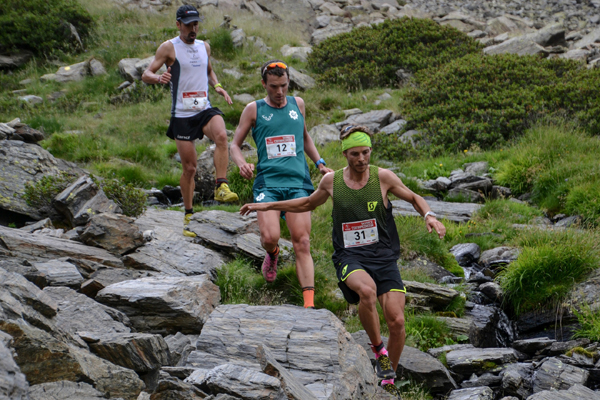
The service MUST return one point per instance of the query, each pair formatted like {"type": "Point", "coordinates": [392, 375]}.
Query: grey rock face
{"type": "Point", "coordinates": [242, 382]}
{"type": "Point", "coordinates": [177, 344]}
{"type": "Point", "coordinates": [457, 212]}
{"type": "Point", "coordinates": [519, 46]}
{"type": "Point", "coordinates": [323, 134]}
{"type": "Point", "coordinates": [469, 361]}
{"type": "Point", "coordinates": [13, 385]}
{"type": "Point", "coordinates": [575, 392]}
{"type": "Point", "coordinates": [466, 253]}
{"type": "Point", "coordinates": [64, 390]}
{"type": "Point", "coordinates": [23, 163]}
{"type": "Point", "coordinates": [492, 290]}
{"type": "Point", "coordinates": [438, 296]}
{"type": "Point", "coordinates": [300, 81]}
{"type": "Point", "coordinates": [239, 37]}
{"type": "Point", "coordinates": [298, 53]}
{"type": "Point", "coordinates": [498, 256]}
{"type": "Point", "coordinates": [476, 393]}
{"type": "Point", "coordinates": [432, 269]}
{"type": "Point", "coordinates": [426, 369]}
{"type": "Point", "coordinates": [115, 233]}
{"type": "Point", "coordinates": [554, 374]}
{"type": "Point", "coordinates": [377, 118]}
{"type": "Point", "coordinates": [170, 388]}
{"type": "Point", "coordinates": [313, 346]}
{"type": "Point", "coordinates": [164, 304]}
{"type": "Point", "coordinates": [532, 346]}
{"type": "Point", "coordinates": [465, 194]}
{"type": "Point", "coordinates": [394, 127]}
{"type": "Point", "coordinates": [142, 65]}
{"type": "Point", "coordinates": [516, 379]}
{"type": "Point", "coordinates": [332, 29]}
{"type": "Point", "coordinates": [592, 37]}
{"type": "Point", "coordinates": [55, 273]}
{"type": "Point", "coordinates": [128, 70]}
{"type": "Point", "coordinates": [75, 72]}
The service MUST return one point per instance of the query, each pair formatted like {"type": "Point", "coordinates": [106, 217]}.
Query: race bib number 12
{"type": "Point", "coordinates": [360, 233]}
{"type": "Point", "coordinates": [281, 146]}
{"type": "Point", "coordinates": [195, 101]}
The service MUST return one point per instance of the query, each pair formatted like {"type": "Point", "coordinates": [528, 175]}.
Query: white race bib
{"type": "Point", "coordinates": [195, 101]}
{"type": "Point", "coordinates": [360, 233]}
{"type": "Point", "coordinates": [281, 146]}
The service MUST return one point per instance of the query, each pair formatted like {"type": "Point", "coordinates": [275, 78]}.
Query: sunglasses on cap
{"type": "Point", "coordinates": [275, 65]}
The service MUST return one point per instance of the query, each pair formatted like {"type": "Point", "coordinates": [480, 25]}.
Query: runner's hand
{"type": "Point", "coordinates": [223, 93]}
{"type": "Point", "coordinates": [247, 171]}
{"type": "Point", "coordinates": [251, 207]}
{"type": "Point", "coordinates": [324, 170]}
{"type": "Point", "coordinates": [165, 77]}
{"type": "Point", "coordinates": [433, 223]}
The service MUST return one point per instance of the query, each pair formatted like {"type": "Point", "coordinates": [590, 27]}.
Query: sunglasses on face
{"type": "Point", "coordinates": [275, 65]}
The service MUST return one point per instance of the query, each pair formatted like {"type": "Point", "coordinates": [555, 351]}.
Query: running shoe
{"type": "Point", "coordinates": [392, 389]}
{"type": "Point", "coordinates": [224, 194]}
{"type": "Point", "coordinates": [383, 368]}
{"type": "Point", "coordinates": [269, 267]}
{"type": "Point", "coordinates": [186, 226]}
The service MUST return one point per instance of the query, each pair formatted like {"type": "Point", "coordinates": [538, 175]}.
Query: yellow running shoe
{"type": "Point", "coordinates": [224, 194]}
{"type": "Point", "coordinates": [392, 389]}
{"type": "Point", "coordinates": [186, 226]}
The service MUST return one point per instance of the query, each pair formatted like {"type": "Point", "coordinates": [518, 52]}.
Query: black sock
{"type": "Point", "coordinates": [190, 211]}
{"type": "Point", "coordinates": [378, 348]}
{"type": "Point", "coordinates": [221, 180]}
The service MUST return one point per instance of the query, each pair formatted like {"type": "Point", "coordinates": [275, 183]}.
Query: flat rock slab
{"type": "Point", "coordinates": [438, 296]}
{"type": "Point", "coordinates": [164, 304]}
{"type": "Point", "coordinates": [554, 374]}
{"type": "Point", "coordinates": [45, 248]}
{"type": "Point", "coordinates": [313, 346]}
{"type": "Point", "coordinates": [575, 392]}
{"type": "Point", "coordinates": [55, 273]}
{"type": "Point", "coordinates": [424, 368]}
{"type": "Point", "coordinates": [457, 212]}
{"type": "Point", "coordinates": [175, 258]}
{"type": "Point", "coordinates": [228, 221]}
{"type": "Point", "coordinates": [166, 224]}
{"type": "Point", "coordinates": [64, 390]}
{"type": "Point", "coordinates": [242, 383]}
{"type": "Point", "coordinates": [468, 361]}
{"type": "Point", "coordinates": [476, 393]}
{"type": "Point", "coordinates": [115, 233]}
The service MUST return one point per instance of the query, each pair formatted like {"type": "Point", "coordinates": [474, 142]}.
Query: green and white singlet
{"type": "Point", "coordinates": [363, 228]}
{"type": "Point", "coordinates": [279, 137]}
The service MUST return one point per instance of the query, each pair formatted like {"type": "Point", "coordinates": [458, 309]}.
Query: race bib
{"type": "Point", "coordinates": [194, 101]}
{"type": "Point", "coordinates": [360, 233]}
{"type": "Point", "coordinates": [281, 146]}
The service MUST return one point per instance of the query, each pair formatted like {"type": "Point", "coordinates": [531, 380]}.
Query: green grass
{"type": "Point", "coordinates": [426, 332]}
{"type": "Point", "coordinates": [550, 264]}
{"type": "Point", "coordinates": [589, 320]}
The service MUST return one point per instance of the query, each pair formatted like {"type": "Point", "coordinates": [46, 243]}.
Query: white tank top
{"type": "Point", "coordinates": [189, 79]}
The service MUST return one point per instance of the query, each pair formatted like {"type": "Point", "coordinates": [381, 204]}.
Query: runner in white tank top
{"type": "Point", "coordinates": [190, 74]}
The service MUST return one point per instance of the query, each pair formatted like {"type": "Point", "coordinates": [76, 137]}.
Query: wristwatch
{"type": "Point", "coordinates": [428, 213]}
{"type": "Point", "coordinates": [321, 161]}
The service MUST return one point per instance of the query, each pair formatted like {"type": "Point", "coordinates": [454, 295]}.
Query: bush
{"type": "Point", "coordinates": [42, 26]}
{"type": "Point", "coordinates": [370, 56]}
{"type": "Point", "coordinates": [41, 193]}
{"type": "Point", "coordinates": [221, 44]}
{"type": "Point", "coordinates": [549, 265]}
{"type": "Point", "coordinates": [131, 199]}
{"type": "Point", "coordinates": [489, 100]}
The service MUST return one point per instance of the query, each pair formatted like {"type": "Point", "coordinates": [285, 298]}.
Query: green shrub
{"type": "Point", "coordinates": [370, 56]}
{"type": "Point", "coordinates": [549, 265]}
{"type": "Point", "coordinates": [41, 193]}
{"type": "Point", "coordinates": [221, 44]}
{"type": "Point", "coordinates": [589, 320]}
{"type": "Point", "coordinates": [131, 199]}
{"type": "Point", "coordinates": [42, 26]}
{"type": "Point", "coordinates": [489, 100]}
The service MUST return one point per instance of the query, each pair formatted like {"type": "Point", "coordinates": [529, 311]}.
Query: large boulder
{"type": "Point", "coordinates": [164, 304]}
{"type": "Point", "coordinates": [468, 361]}
{"type": "Point", "coordinates": [23, 163]}
{"type": "Point", "coordinates": [300, 81]}
{"type": "Point", "coordinates": [128, 70]}
{"type": "Point", "coordinates": [426, 369]}
{"type": "Point", "coordinates": [554, 374]}
{"type": "Point", "coordinates": [292, 13]}
{"type": "Point", "coordinates": [314, 347]}
{"type": "Point", "coordinates": [332, 29]}
{"type": "Point", "coordinates": [323, 134]}
{"type": "Point", "coordinates": [115, 233]}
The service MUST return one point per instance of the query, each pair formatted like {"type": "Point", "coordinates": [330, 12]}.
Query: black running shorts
{"type": "Point", "coordinates": [385, 274]}
{"type": "Point", "coordinates": [190, 129]}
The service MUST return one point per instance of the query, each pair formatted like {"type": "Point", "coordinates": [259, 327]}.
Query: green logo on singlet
{"type": "Point", "coordinates": [371, 205]}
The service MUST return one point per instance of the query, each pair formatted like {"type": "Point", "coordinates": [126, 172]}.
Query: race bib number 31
{"type": "Point", "coordinates": [194, 101]}
{"type": "Point", "coordinates": [360, 233]}
{"type": "Point", "coordinates": [281, 146]}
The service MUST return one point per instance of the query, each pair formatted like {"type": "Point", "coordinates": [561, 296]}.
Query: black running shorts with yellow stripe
{"type": "Point", "coordinates": [385, 274]}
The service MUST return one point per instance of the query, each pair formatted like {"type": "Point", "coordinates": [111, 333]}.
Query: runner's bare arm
{"type": "Point", "coordinates": [309, 146]}
{"type": "Point", "coordinates": [212, 77]}
{"type": "Point", "coordinates": [247, 121]}
{"type": "Point", "coordinates": [392, 184]}
{"type": "Point", "coordinates": [164, 55]}
{"type": "Point", "coordinates": [300, 205]}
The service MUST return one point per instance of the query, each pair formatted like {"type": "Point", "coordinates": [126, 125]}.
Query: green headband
{"type": "Point", "coordinates": [356, 139]}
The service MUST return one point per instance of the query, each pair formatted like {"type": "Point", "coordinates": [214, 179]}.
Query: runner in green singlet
{"type": "Point", "coordinates": [281, 138]}
{"type": "Point", "coordinates": [365, 241]}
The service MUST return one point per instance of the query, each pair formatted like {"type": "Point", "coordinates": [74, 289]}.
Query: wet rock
{"type": "Point", "coordinates": [498, 257]}
{"type": "Point", "coordinates": [554, 374]}
{"type": "Point", "coordinates": [532, 346]}
{"type": "Point", "coordinates": [466, 253]}
{"type": "Point", "coordinates": [64, 390]}
{"type": "Point", "coordinates": [457, 212]}
{"type": "Point", "coordinates": [476, 393]}
{"type": "Point", "coordinates": [516, 379]}
{"type": "Point", "coordinates": [468, 361]}
{"type": "Point", "coordinates": [490, 327]}
{"type": "Point", "coordinates": [113, 232]}
{"type": "Point", "coordinates": [164, 304]}
{"type": "Point", "coordinates": [492, 290]}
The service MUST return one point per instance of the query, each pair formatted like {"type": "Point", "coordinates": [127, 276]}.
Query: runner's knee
{"type": "Point", "coordinates": [268, 240]}
{"type": "Point", "coordinates": [396, 324]}
{"type": "Point", "coordinates": [189, 169]}
{"type": "Point", "coordinates": [367, 294]}
{"type": "Point", "coordinates": [220, 138]}
{"type": "Point", "coordinates": [301, 245]}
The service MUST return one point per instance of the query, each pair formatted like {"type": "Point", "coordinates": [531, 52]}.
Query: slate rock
{"type": "Point", "coordinates": [554, 374]}
{"type": "Point", "coordinates": [492, 290]}
{"type": "Point", "coordinates": [498, 257]}
{"type": "Point", "coordinates": [532, 346]}
{"type": "Point", "coordinates": [54, 273]}
{"type": "Point", "coordinates": [164, 304]}
{"type": "Point", "coordinates": [438, 296]}
{"type": "Point", "coordinates": [587, 292]}
{"type": "Point", "coordinates": [332, 29]}
{"type": "Point", "coordinates": [115, 233]}
{"type": "Point", "coordinates": [575, 392]}
{"type": "Point", "coordinates": [64, 390]}
{"type": "Point", "coordinates": [457, 212]}
{"type": "Point", "coordinates": [242, 382]}
{"type": "Point", "coordinates": [516, 379]}
{"type": "Point", "coordinates": [476, 168]}
{"type": "Point", "coordinates": [128, 70]}
{"type": "Point", "coordinates": [438, 351]}
{"type": "Point", "coordinates": [141, 352]}
{"type": "Point", "coordinates": [300, 81]}
{"type": "Point", "coordinates": [170, 388]}
{"type": "Point", "coordinates": [476, 393]}
{"type": "Point", "coordinates": [459, 193]}
{"type": "Point", "coordinates": [425, 369]}
{"type": "Point", "coordinates": [490, 327]}
{"type": "Point", "coordinates": [105, 277]}
{"type": "Point", "coordinates": [466, 253]}
{"type": "Point", "coordinates": [519, 46]}
{"type": "Point", "coordinates": [177, 344]}
{"type": "Point", "coordinates": [485, 379]}
{"type": "Point", "coordinates": [378, 118]}
{"type": "Point", "coordinates": [323, 134]}
{"type": "Point", "coordinates": [13, 384]}
{"type": "Point", "coordinates": [484, 185]}
{"type": "Point", "coordinates": [469, 361]}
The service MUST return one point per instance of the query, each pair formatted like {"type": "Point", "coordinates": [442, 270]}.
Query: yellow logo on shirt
{"type": "Point", "coordinates": [371, 205]}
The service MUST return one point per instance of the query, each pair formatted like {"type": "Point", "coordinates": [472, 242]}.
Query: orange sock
{"type": "Point", "coordinates": [308, 293]}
